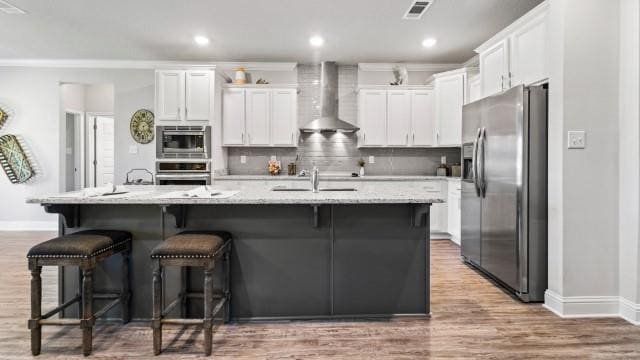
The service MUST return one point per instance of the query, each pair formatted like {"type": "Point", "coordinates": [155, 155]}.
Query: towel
{"type": "Point", "coordinates": [201, 192]}
{"type": "Point", "coordinates": [105, 189]}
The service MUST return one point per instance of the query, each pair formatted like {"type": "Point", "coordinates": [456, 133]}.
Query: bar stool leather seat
{"type": "Point", "coordinates": [82, 244]}
{"type": "Point", "coordinates": [191, 244]}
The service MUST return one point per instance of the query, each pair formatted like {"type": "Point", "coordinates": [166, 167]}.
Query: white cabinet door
{"type": "Point", "coordinates": [449, 101]}
{"type": "Point", "coordinates": [373, 117]}
{"type": "Point", "coordinates": [454, 211]}
{"type": "Point", "coordinates": [258, 105]}
{"type": "Point", "coordinates": [197, 95]}
{"type": "Point", "coordinates": [423, 118]}
{"type": "Point", "coordinates": [475, 93]}
{"type": "Point", "coordinates": [169, 94]}
{"type": "Point", "coordinates": [284, 127]}
{"type": "Point", "coordinates": [398, 117]}
{"type": "Point", "coordinates": [233, 117]}
{"type": "Point", "coordinates": [528, 52]}
{"type": "Point", "coordinates": [494, 69]}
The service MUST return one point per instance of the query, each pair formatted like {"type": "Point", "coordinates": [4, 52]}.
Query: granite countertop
{"type": "Point", "coordinates": [336, 177]}
{"type": "Point", "coordinates": [387, 193]}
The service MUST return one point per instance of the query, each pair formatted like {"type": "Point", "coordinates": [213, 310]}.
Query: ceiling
{"type": "Point", "coordinates": [252, 30]}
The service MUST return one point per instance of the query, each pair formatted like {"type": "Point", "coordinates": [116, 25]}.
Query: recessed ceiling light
{"type": "Point", "coordinates": [316, 41]}
{"type": "Point", "coordinates": [429, 42]}
{"type": "Point", "coordinates": [201, 40]}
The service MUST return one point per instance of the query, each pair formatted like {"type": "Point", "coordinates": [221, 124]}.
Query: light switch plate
{"type": "Point", "coordinates": [372, 159]}
{"type": "Point", "coordinates": [133, 149]}
{"type": "Point", "coordinates": [273, 158]}
{"type": "Point", "coordinates": [576, 140]}
{"type": "Point", "coordinates": [243, 159]}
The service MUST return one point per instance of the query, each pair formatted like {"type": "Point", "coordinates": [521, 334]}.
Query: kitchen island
{"type": "Point", "coordinates": [296, 254]}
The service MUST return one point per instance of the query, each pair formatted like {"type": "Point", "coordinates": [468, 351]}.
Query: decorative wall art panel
{"type": "Point", "coordinates": [14, 161]}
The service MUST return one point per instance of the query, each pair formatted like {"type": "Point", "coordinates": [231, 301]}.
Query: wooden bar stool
{"type": "Point", "coordinates": [83, 249]}
{"type": "Point", "coordinates": [191, 249]}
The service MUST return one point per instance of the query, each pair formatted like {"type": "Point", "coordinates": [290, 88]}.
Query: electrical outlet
{"type": "Point", "coordinates": [372, 159]}
{"type": "Point", "coordinates": [576, 140]}
{"type": "Point", "coordinates": [243, 159]}
{"type": "Point", "coordinates": [133, 149]}
{"type": "Point", "coordinates": [273, 158]}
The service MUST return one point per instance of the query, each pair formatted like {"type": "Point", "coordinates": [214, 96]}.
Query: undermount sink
{"type": "Point", "coordinates": [283, 188]}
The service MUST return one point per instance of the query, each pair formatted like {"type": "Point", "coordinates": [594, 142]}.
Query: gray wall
{"type": "Point", "coordinates": [337, 152]}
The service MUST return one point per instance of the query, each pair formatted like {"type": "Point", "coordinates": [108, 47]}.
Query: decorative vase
{"type": "Point", "coordinates": [361, 170]}
{"type": "Point", "coordinates": [241, 77]}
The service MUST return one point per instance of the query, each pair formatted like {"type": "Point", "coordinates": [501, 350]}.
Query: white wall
{"type": "Point", "coordinates": [99, 98]}
{"type": "Point", "coordinates": [629, 171]}
{"type": "Point", "coordinates": [594, 197]}
{"type": "Point", "coordinates": [34, 95]}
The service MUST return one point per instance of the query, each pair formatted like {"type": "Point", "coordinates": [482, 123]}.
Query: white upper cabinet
{"type": "Point", "coordinates": [284, 127]}
{"type": "Point", "coordinates": [423, 119]}
{"type": "Point", "coordinates": [372, 117]}
{"type": "Point", "coordinates": [197, 95]}
{"type": "Point", "coordinates": [183, 95]}
{"type": "Point", "coordinates": [494, 69]}
{"type": "Point", "coordinates": [233, 115]}
{"type": "Point", "coordinates": [169, 94]}
{"type": "Point", "coordinates": [398, 117]}
{"type": "Point", "coordinates": [528, 52]}
{"type": "Point", "coordinates": [258, 110]}
{"type": "Point", "coordinates": [517, 54]}
{"type": "Point", "coordinates": [450, 89]}
{"type": "Point", "coordinates": [475, 92]}
{"type": "Point", "coordinates": [260, 117]}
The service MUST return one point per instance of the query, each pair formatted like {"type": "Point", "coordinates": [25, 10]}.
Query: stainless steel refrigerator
{"type": "Point", "coordinates": [504, 189]}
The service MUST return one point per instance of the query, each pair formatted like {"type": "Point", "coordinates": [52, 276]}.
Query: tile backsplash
{"type": "Point", "coordinates": [337, 152]}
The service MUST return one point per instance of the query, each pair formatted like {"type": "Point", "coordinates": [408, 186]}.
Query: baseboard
{"type": "Point", "coordinates": [630, 311]}
{"type": "Point", "coordinates": [28, 225]}
{"type": "Point", "coordinates": [592, 306]}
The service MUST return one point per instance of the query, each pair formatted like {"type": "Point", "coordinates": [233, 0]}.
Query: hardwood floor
{"type": "Point", "coordinates": [471, 318]}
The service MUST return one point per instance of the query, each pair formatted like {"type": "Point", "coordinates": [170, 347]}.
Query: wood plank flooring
{"type": "Point", "coordinates": [471, 319]}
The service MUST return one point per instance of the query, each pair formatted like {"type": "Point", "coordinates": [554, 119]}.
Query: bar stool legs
{"type": "Point", "coordinates": [36, 308]}
{"type": "Point", "coordinates": [156, 321]}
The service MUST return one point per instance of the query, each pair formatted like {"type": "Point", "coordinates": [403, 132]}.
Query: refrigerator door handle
{"type": "Point", "coordinates": [481, 175]}
{"type": "Point", "coordinates": [474, 163]}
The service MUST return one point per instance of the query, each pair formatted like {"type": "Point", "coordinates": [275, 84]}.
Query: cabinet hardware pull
{"type": "Point", "coordinates": [413, 138]}
{"type": "Point", "coordinates": [501, 82]}
{"type": "Point", "coordinates": [178, 114]}
{"type": "Point", "coordinates": [406, 141]}
{"type": "Point", "coordinates": [364, 138]}
{"type": "Point", "coordinates": [292, 138]}
{"type": "Point", "coordinates": [242, 138]}
{"type": "Point", "coordinates": [186, 112]}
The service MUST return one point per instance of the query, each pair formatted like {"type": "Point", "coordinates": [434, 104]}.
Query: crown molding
{"type": "Point", "coordinates": [465, 70]}
{"type": "Point", "coordinates": [144, 64]}
{"type": "Point", "coordinates": [539, 11]}
{"type": "Point", "coordinates": [408, 66]}
{"type": "Point", "coordinates": [473, 62]}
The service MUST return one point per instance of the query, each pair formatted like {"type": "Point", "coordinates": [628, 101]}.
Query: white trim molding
{"type": "Point", "coordinates": [145, 64]}
{"type": "Point", "coordinates": [28, 226]}
{"type": "Point", "coordinates": [408, 66]}
{"type": "Point", "coordinates": [630, 311]}
{"type": "Point", "coordinates": [592, 306]}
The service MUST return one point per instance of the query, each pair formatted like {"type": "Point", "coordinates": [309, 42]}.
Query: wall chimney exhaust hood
{"type": "Point", "coordinates": [328, 120]}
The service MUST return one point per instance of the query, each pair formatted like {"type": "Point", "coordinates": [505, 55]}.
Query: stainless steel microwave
{"type": "Point", "coordinates": [183, 142]}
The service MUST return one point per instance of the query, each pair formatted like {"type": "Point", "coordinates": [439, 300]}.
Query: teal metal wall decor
{"type": "Point", "coordinates": [14, 161]}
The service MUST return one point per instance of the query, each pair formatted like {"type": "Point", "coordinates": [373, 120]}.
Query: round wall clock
{"type": "Point", "coordinates": [142, 126]}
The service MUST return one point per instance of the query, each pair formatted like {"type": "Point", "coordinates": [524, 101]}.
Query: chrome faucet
{"type": "Point", "coordinates": [315, 179]}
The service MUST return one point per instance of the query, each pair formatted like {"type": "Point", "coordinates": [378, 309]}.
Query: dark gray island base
{"type": "Point", "coordinates": [289, 261]}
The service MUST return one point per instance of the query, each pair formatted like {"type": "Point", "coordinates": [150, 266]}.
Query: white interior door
{"type": "Point", "coordinates": [104, 159]}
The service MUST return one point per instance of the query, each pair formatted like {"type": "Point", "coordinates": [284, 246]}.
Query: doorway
{"type": "Point", "coordinates": [89, 135]}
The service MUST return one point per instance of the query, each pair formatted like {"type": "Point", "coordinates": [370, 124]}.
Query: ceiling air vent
{"type": "Point", "coordinates": [7, 8]}
{"type": "Point", "coordinates": [417, 9]}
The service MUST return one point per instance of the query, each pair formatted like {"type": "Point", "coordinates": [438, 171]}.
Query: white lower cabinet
{"type": "Point", "coordinates": [259, 117]}
{"type": "Point", "coordinates": [437, 189]}
{"type": "Point", "coordinates": [454, 210]}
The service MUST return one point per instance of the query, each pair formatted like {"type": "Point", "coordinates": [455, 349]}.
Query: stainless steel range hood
{"type": "Point", "coordinates": [328, 120]}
